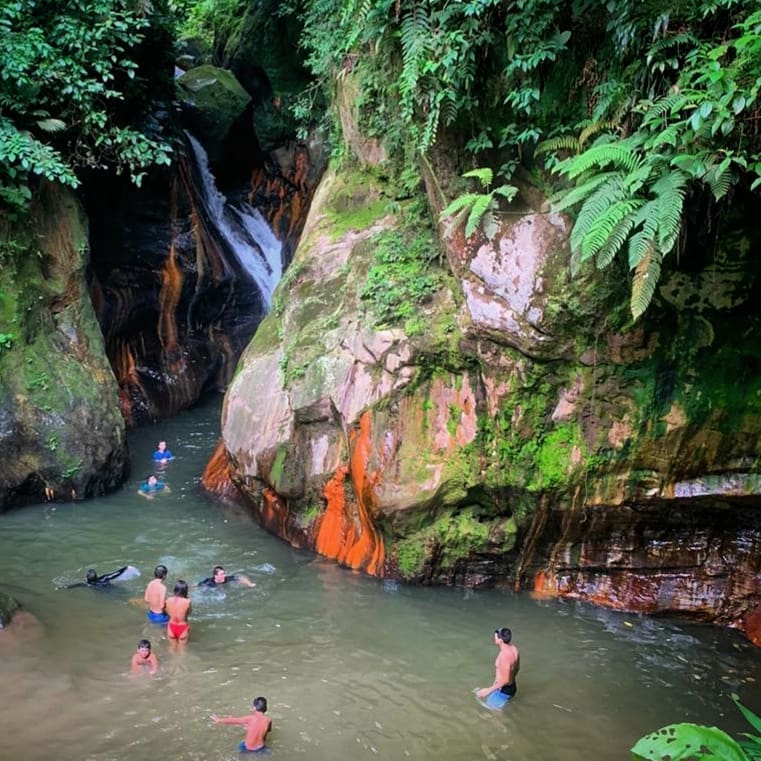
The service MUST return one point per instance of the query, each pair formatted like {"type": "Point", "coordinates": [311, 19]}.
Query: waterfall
{"type": "Point", "coordinates": [241, 228]}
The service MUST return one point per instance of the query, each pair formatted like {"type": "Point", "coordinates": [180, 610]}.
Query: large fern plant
{"type": "Point", "coordinates": [631, 190]}
{"type": "Point", "coordinates": [631, 200]}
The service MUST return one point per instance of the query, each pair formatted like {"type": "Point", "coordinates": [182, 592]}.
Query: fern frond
{"type": "Point", "coordinates": [51, 125]}
{"type": "Point", "coordinates": [572, 197]}
{"type": "Point", "coordinates": [646, 276]}
{"type": "Point", "coordinates": [506, 191]}
{"type": "Point", "coordinates": [483, 174]}
{"type": "Point", "coordinates": [615, 242]}
{"type": "Point", "coordinates": [482, 203]}
{"type": "Point", "coordinates": [720, 179]}
{"type": "Point", "coordinates": [640, 245]}
{"type": "Point", "coordinates": [618, 154]}
{"type": "Point", "coordinates": [602, 228]}
{"type": "Point", "coordinates": [593, 129]}
{"type": "Point", "coordinates": [461, 202]}
{"type": "Point", "coordinates": [562, 142]}
{"type": "Point", "coordinates": [669, 190]}
{"type": "Point", "coordinates": [605, 195]}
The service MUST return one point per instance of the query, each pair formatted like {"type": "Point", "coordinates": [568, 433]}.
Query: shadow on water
{"type": "Point", "coordinates": [352, 667]}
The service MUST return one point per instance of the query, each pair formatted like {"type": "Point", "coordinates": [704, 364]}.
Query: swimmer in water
{"type": "Point", "coordinates": [162, 454]}
{"type": "Point", "coordinates": [178, 607]}
{"type": "Point", "coordinates": [256, 723]}
{"type": "Point", "coordinates": [220, 577]}
{"type": "Point", "coordinates": [144, 661]}
{"type": "Point", "coordinates": [151, 487]}
{"type": "Point", "coordinates": [99, 582]}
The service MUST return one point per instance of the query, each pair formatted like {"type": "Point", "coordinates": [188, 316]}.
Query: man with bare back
{"type": "Point", "coordinates": [155, 596]}
{"type": "Point", "coordinates": [506, 668]}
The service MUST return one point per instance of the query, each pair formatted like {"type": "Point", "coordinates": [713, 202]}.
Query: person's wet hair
{"type": "Point", "coordinates": [160, 572]}
{"type": "Point", "coordinates": [91, 576]}
{"type": "Point", "coordinates": [181, 588]}
{"type": "Point", "coordinates": [218, 568]}
{"type": "Point", "coordinates": [504, 634]}
{"type": "Point", "coordinates": [144, 643]}
{"type": "Point", "coordinates": [260, 704]}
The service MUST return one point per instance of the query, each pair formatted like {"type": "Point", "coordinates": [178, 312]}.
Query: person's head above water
{"type": "Point", "coordinates": [151, 480]}
{"type": "Point", "coordinates": [260, 704]}
{"type": "Point", "coordinates": [219, 574]}
{"type": "Point", "coordinates": [144, 644]}
{"type": "Point", "coordinates": [181, 588]}
{"type": "Point", "coordinates": [160, 572]}
{"type": "Point", "coordinates": [91, 576]}
{"type": "Point", "coordinates": [161, 446]}
{"type": "Point", "coordinates": [504, 635]}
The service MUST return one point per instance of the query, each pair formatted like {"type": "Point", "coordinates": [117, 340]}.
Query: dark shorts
{"type": "Point", "coordinates": [243, 749]}
{"type": "Point", "coordinates": [157, 618]}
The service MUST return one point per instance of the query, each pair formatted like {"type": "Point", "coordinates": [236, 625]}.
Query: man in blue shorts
{"type": "Point", "coordinates": [155, 596]}
{"type": "Point", "coordinates": [506, 668]}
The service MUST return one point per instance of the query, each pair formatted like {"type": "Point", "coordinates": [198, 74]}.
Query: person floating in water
{"type": "Point", "coordinates": [144, 661]}
{"type": "Point", "coordinates": [151, 487]}
{"type": "Point", "coordinates": [155, 596]}
{"type": "Point", "coordinates": [220, 577]}
{"type": "Point", "coordinates": [162, 454]}
{"type": "Point", "coordinates": [100, 582]}
{"type": "Point", "coordinates": [506, 668]}
{"type": "Point", "coordinates": [178, 607]}
{"type": "Point", "coordinates": [256, 723]}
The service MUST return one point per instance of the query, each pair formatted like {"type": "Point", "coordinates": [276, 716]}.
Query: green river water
{"type": "Point", "coordinates": [352, 667]}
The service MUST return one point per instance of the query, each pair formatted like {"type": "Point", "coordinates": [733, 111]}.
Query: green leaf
{"type": "Point", "coordinates": [688, 742]}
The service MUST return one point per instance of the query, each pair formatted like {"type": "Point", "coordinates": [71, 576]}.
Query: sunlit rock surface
{"type": "Point", "coordinates": [530, 435]}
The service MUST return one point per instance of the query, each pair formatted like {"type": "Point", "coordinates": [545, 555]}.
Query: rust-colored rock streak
{"type": "Point", "coordinates": [169, 298]}
{"type": "Point", "coordinates": [346, 532]}
{"type": "Point", "coordinates": [216, 475]}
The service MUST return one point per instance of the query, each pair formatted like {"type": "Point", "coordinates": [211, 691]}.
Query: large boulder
{"type": "Point", "coordinates": [61, 434]}
{"type": "Point", "coordinates": [514, 426]}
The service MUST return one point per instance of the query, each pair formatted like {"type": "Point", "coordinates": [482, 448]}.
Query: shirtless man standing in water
{"type": "Point", "coordinates": [155, 596]}
{"type": "Point", "coordinates": [506, 668]}
{"type": "Point", "coordinates": [178, 608]}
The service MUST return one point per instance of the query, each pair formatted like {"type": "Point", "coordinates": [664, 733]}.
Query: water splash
{"type": "Point", "coordinates": [241, 229]}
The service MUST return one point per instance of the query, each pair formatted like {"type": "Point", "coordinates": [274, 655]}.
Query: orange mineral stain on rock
{"type": "Point", "coordinates": [346, 532]}
{"type": "Point", "coordinates": [216, 476]}
{"type": "Point", "coordinates": [752, 626]}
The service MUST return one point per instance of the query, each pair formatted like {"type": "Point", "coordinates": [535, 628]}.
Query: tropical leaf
{"type": "Point", "coordinates": [688, 742]}
{"type": "Point", "coordinates": [615, 242]}
{"type": "Point", "coordinates": [580, 192]}
{"type": "Point", "coordinates": [618, 154]}
{"type": "Point", "coordinates": [482, 203]}
{"type": "Point", "coordinates": [483, 174]}
{"type": "Point", "coordinates": [645, 279]}
{"type": "Point", "coordinates": [602, 228]}
{"type": "Point", "coordinates": [464, 201]}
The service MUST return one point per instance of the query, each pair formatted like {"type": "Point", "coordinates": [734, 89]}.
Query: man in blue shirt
{"type": "Point", "coordinates": [152, 486]}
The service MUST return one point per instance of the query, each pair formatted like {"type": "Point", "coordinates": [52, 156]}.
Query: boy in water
{"type": "Point", "coordinates": [144, 661]}
{"type": "Point", "coordinates": [152, 486]}
{"type": "Point", "coordinates": [162, 454]}
{"type": "Point", "coordinates": [155, 596]}
{"type": "Point", "coordinates": [506, 668]}
{"type": "Point", "coordinates": [256, 723]}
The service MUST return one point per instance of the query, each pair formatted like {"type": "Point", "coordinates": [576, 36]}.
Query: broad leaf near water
{"type": "Point", "coordinates": [688, 742]}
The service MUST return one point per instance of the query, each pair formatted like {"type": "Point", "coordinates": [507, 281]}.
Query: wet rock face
{"type": "Point", "coordinates": [521, 438]}
{"type": "Point", "coordinates": [61, 435]}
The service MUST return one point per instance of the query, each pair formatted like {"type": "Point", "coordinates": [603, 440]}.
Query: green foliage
{"type": "Point", "coordinates": [479, 208]}
{"type": "Point", "coordinates": [695, 742]}
{"type": "Point", "coordinates": [401, 278]}
{"type": "Point", "coordinates": [632, 189]}
{"type": "Point", "coordinates": [65, 71]}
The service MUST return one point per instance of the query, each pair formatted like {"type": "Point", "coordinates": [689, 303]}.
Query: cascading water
{"type": "Point", "coordinates": [241, 228]}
